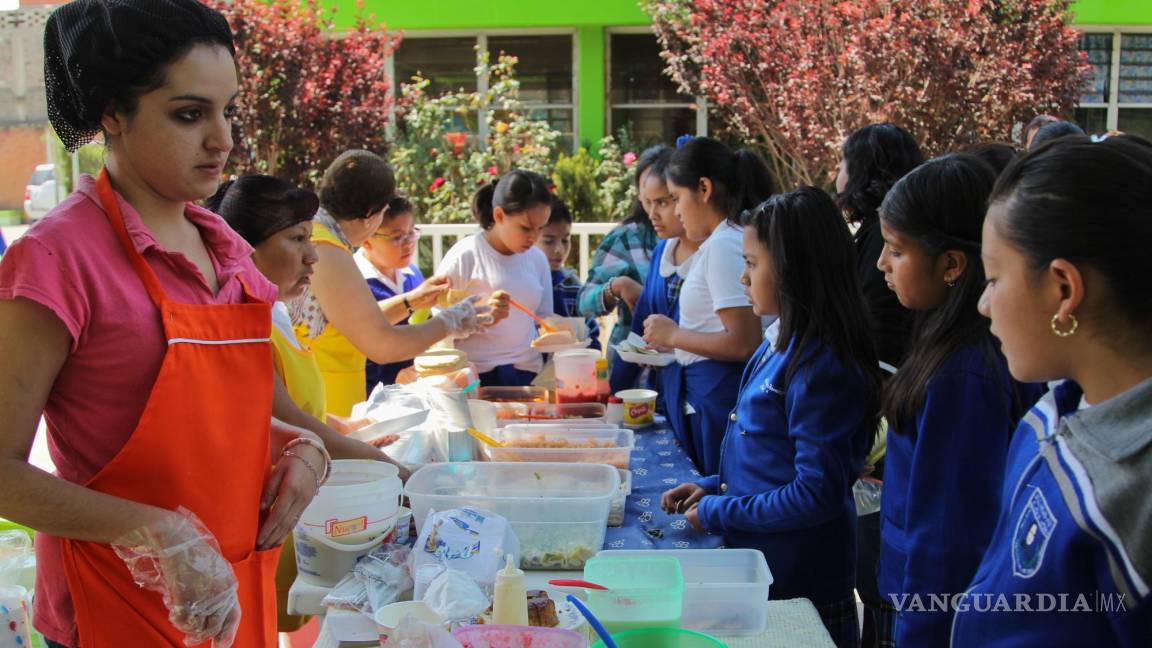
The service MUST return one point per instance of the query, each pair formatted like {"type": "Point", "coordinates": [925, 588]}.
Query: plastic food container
{"type": "Point", "coordinates": [559, 511]}
{"type": "Point", "coordinates": [513, 394]}
{"type": "Point", "coordinates": [576, 376]}
{"type": "Point", "coordinates": [504, 636]}
{"type": "Point", "coordinates": [663, 638]}
{"type": "Point", "coordinates": [639, 406]}
{"type": "Point", "coordinates": [567, 413]}
{"type": "Point", "coordinates": [725, 590]}
{"type": "Point", "coordinates": [616, 513]}
{"type": "Point", "coordinates": [606, 445]}
{"type": "Point", "coordinates": [643, 591]}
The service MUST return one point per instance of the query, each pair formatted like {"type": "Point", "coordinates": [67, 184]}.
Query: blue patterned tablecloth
{"type": "Point", "coordinates": [658, 464]}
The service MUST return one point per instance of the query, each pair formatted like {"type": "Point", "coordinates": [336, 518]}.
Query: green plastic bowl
{"type": "Point", "coordinates": [663, 638]}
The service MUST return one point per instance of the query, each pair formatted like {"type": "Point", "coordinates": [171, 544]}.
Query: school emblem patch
{"type": "Point", "coordinates": [1033, 531]}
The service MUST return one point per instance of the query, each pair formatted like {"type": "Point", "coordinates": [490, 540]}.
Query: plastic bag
{"type": "Point", "coordinates": [414, 633]}
{"type": "Point", "coordinates": [17, 559]}
{"type": "Point", "coordinates": [379, 578]}
{"type": "Point", "coordinates": [455, 596]}
{"type": "Point", "coordinates": [867, 495]}
{"type": "Point", "coordinates": [471, 540]}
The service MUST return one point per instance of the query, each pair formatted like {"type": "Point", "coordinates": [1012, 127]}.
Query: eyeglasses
{"type": "Point", "coordinates": [402, 239]}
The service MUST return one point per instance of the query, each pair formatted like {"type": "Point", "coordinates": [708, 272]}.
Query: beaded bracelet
{"type": "Point", "coordinates": [320, 479]}
{"type": "Point", "coordinates": [307, 464]}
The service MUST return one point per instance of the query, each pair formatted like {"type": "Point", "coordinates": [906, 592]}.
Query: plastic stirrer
{"type": "Point", "coordinates": [575, 582]}
{"type": "Point", "coordinates": [594, 622]}
{"type": "Point", "coordinates": [484, 438]}
{"type": "Point", "coordinates": [529, 312]}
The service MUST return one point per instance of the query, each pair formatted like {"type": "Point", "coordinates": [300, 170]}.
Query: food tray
{"type": "Point", "coordinates": [559, 511]}
{"type": "Point", "coordinates": [607, 444]}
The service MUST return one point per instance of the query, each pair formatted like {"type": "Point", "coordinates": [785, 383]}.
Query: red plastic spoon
{"type": "Point", "coordinates": [575, 582]}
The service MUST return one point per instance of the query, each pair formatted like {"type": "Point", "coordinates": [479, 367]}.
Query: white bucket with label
{"type": "Point", "coordinates": [359, 501]}
{"type": "Point", "coordinates": [323, 561]}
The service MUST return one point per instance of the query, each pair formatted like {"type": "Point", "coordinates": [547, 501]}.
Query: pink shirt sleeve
{"type": "Point", "coordinates": [31, 271]}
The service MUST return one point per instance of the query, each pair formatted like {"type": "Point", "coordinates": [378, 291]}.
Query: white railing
{"type": "Point", "coordinates": [581, 232]}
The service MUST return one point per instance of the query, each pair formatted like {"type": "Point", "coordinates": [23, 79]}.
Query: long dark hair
{"type": "Point", "coordinates": [940, 205]}
{"type": "Point", "coordinates": [875, 157]}
{"type": "Point", "coordinates": [817, 288]}
{"type": "Point", "coordinates": [740, 179]}
{"type": "Point", "coordinates": [514, 192]}
{"type": "Point", "coordinates": [259, 206]}
{"type": "Point", "coordinates": [655, 159]}
{"type": "Point", "coordinates": [1086, 202]}
{"type": "Point", "coordinates": [356, 185]}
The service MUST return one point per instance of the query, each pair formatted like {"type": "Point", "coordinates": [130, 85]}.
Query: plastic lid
{"type": "Point", "coordinates": [615, 399]}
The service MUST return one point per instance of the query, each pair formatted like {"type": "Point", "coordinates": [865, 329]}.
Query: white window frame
{"type": "Point", "coordinates": [701, 103]}
{"type": "Point", "coordinates": [1114, 105]}
{"type": "Point", "coordinates": [481, 36]}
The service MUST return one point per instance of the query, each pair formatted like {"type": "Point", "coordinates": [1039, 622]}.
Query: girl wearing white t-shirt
{"type": "Point", "coordinates": [718, 331]}
{"type": "Point", "coordinates": [512, 213]}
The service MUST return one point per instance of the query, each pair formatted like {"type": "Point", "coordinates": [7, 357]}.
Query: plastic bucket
{"type": "Point", "coordinates": [505, 636]}
{"type": "Point", "coordinates": [663, 638]}
{"type": "Point", "coordinates": [359, 501]}
{"type": "Point", "coordinates": [323, 561]}
{"type": "Point", "coordinates": [576, 376]}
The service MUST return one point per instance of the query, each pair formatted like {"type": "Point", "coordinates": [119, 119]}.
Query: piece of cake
{"type": "Point", "coordinates": [553, 339]}
{"type": "Point", "coordinates": [541, 610]}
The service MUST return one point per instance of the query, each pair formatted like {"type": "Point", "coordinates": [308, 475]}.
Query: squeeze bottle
{"type": "Point", "coordinates": [510, 600]}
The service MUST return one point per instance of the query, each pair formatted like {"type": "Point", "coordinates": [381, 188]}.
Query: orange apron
{"type": "Point", "coordinates": [202, 442]}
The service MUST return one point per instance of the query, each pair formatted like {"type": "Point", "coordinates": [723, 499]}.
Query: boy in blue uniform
{"type": "Point", "coordinates": [556, 243]}
{"type": "Point", "coordinates": [1065, 249]}
{"type": "Point", "coordinates": [805, 415]}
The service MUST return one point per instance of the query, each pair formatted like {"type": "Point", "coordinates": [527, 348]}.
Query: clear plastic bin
{"type": "Point", "coordinates": [559, 511]}
{"type": "Point", "coordinates": [513, 394]}
{"type": "Point", "coordinates": [509, 413]}
{"type": "Point", "coordinates": [607, 445]}
{"type": "Point", "coordinates": [725, 590]}
{"type": "Point", "coordinates": [643, 591]}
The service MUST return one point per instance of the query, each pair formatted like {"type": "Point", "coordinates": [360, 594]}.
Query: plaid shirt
{"type": "Point", "coordinates": [625, 251]}
{"type": "Point", "coordinates": [565, 294]}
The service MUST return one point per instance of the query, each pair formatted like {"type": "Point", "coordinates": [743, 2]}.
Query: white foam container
{"type": "Point", "coordinates": [725, 590]}
{"type": "Point", "coordinates": [559, 511]}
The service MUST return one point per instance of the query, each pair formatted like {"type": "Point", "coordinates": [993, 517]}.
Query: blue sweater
{"type": "Point", "coordinates": [386, 373]}
{"type": "Point", "coordinates": [660, 296]}
{"type": "Point", "coordinates": [1072, 536]}
{"type": "Point", "coordinates": [787, 465]}
{"type": "Point", "coordinates": [565, 298]}
{"type": "Point", "coordinates": [942, 481]}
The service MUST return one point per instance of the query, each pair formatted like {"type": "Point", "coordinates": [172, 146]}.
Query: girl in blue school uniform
{"type": "Point", "coordinates": [806, 414]}
{"type": "Point", "coordinates": [1066, 250]}
{"type": "Point", "coordinates": [952, 405]}
{"type": "Point", "coordinates": [671, 261]}
{"type": "Point", "coordinates": [717, 331]}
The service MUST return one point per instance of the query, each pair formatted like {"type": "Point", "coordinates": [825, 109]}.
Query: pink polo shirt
{"type": "Point", "coordinates": [72, 264]}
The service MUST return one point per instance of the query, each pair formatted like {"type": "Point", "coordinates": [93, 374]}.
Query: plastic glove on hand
{"type": "Point", "coordinates": [180, 558]}
{"type": "Point", "coordinates": [466, 317]}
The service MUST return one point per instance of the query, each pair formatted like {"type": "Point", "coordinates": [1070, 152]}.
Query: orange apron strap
{"type": "Point", "coordinates": [116, 218]}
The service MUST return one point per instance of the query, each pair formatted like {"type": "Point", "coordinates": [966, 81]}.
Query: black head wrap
{"type": "Point", "coordinates": [258, 206]}
{"type": "Point", "coordinates": [96, 51]}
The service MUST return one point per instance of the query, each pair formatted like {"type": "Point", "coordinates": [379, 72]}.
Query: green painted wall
{"type": "Point", "coordinates": [1112, 12]}
{"type": "Point", "coordinates": [590, 17]}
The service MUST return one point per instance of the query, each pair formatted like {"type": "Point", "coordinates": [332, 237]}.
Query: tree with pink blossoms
{"type": "Point", "coordinates": [308, 92]}
{"type": "Point", "coordinates": [797, 76]}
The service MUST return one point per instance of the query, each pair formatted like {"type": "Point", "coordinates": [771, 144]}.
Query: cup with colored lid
{"type": "Point", "coordinates": [639, 406]}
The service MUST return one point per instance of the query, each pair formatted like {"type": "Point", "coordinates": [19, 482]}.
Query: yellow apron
{"type": "Point", "coordinates": [341, 364]}
{"type": "Point", "coordinates": [297, 368]}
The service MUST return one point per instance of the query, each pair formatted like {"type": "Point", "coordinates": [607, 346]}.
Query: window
{"type": "Point", "coordinates": [644, 102]}
{"type": "Point", "coordinates": [1119, 93]}
{"type": "Point", "coordinates": [545, 71]}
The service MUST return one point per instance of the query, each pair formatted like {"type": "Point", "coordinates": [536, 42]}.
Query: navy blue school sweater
{"type": "Point", "coordinates": [942, 481]}
{"type": "Point", "coordinates": [787, 464]}
{"type": "Point", "coordinates": [1070, 561]}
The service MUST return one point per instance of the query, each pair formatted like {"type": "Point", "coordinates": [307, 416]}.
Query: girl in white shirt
{"type": "Point", "coordinates": [718, 331]}
{"type": "Point", "coordinates": [512, 213]}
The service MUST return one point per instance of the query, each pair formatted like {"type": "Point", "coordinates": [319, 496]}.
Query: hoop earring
{"type": "Point", "coordinates": [1058, 332]}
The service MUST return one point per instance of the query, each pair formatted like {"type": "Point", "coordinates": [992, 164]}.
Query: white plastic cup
{"type": "Point", "coordinates": [15, 629]}
{"type": "Point", "coordinates": [576, 376]}
{"type": "Point", "coordinates": [423, 577]}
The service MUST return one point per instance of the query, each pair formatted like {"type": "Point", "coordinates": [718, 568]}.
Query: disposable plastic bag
{"type": "Point", "coordinates": [867, 494]}
{"type": "Point", "coordinates": [455, 596]}
{"type": "Point", "coordinates": [380, 578]}
{"type": "Point", "coordinates": [414, 633]}
{"type": "Point", "coordinates": [17, 559]}
{"type": "Point", "coordinates": [181, 560]}
{"type": "Point", "coordinates": [471, 540]}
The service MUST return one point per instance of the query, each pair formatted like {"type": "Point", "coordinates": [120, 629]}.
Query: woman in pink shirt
{"type": "Point", "coordinates": [137, 325]}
